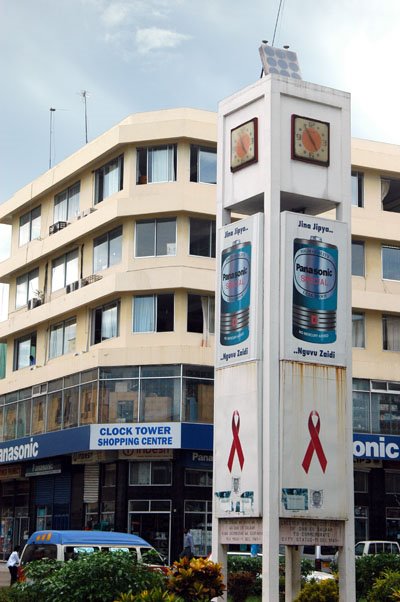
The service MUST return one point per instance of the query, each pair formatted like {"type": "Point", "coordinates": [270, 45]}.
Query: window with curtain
{"type": "Point", "coordinates": [156, 164]}
{"type": "Point", "coordinates": [66, 203]}
{"type": "Point", "coordinates": [155, 237]}
{"type": "Point", "coordinates": [200, 314]}
{"type": "Point", "coordinates": [109, 179]}
{"type": "Point", "coordinates": [107, 250]}
{"type": "Point", "coordinates": [357, 189]}
{"type": "Point", "coordinates": [62, 338]}
{"type": "Point", "coordinates": [29, 226]}
{"type": "Point", "coordinates": [153, 313]}
{"type": "Point", "coordinates": [358, 329]}
{"type": "Point", "coordinates": [203, 164]}
{"type": "Point", "coordinates": [65, 269]}
{"type": "Point", "coordinates": [391, 332]}
{"type": "Point", "coordinates": [202, 237]}
{"type": "Point", "coordinates": [25, 351]}
{"type": "Point", "coordinates": [391, 263]}
{"type": "Point", "coordinates": [357, 258]}
{"type": "Point", "coordinates": [105, 322]}
{"type": "Point", "coordinates": [27, 287]}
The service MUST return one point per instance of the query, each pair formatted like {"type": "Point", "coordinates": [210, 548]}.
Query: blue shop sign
{"type": "Point", "coordinates": [376, 447]}
{"type": "Point", "coordinates": [44, 446]}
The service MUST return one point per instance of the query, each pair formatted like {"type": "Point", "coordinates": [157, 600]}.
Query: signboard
{"type": "Point", "coordinates": [10, 472]}
{"type": "Point", "coordinates": [237, 449]}
{"type": "Point", "coordinates": [135, 436]}
{"type": "Point", "coordinates": [241, 530]}
{"type": "Point", "coordinates": [313, 437]}
{"type": "Point", "coordinates": [314, 276]}
{"type": "Point", "coordinates": [238, 329]}
{"type": "Point", "coordinates": [378, 447]}
{"type": "Point", "coordinates": [298, 532]}
{"type": "Point", "coordinates": [146, 454]}
{"type": "Point", "coordinates": [38, 470]}
{"type": "Point", "coordinates": [89, 457]}
{"type": "Point", "coordinates": [43, 446]}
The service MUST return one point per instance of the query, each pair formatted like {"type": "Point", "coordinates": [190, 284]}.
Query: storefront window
{"type": "Point", "coordinates": [88, 409]}
{"type": "Point", "coordinates": [150, 473]}
{"type": "Point", "coordinates": [24, 418]}
{"type": "Point", "coordinates": [160, 400]}
{"type": "Point", "coordinates": [71, 403]}
{"type": "Point", "coordinates": [198, 518]}
{"type": "Point", "coordinates": [392, 523]}
{"type": "Point", "coordinates": [54, 411]}
{"type": "Point", "coordinates": [10, 423]}
{"type": "Point", "coordinates": [38, 415]}
{"type": "Point", "coordinates": [198, 396]}
{"type": "Point", "coordinates": [107, 516]}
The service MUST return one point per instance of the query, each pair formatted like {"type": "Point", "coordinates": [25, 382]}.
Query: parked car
{"type": "Point", "coordinates": [67, 545]}
{"type": "Point", "coordinates": [363, 548]}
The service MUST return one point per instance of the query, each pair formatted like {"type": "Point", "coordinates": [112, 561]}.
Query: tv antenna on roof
{"type": "Point", "coordinates": [84, 94]}
{"type": "Point", "coordinates": [51, 150]}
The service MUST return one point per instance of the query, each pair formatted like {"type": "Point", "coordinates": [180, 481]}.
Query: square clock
{"type": "Point", "coordinates": [310, 140]}
{"type": "Point", "coordinates": [244, 144]}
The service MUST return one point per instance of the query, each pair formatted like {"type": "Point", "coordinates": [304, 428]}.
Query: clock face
{"type": "Point", "coordinates": [244, 145]}
{"type": "Point", "coordinates": [310, 140]}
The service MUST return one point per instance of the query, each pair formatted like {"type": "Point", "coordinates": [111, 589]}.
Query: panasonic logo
{"type": "Point", "coordinates": [19, 452]}
{"type": "Point", "coordinates": [377, 449]}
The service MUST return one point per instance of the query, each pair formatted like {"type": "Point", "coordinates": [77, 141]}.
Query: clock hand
{"type": "Point", "coordinates": [311, 139]}
{"type": "Point", "coordinates": [243, 146]}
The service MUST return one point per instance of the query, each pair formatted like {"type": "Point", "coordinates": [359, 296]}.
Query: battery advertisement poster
{"type": "Point", "coordinates": [314, 275]}
{"type": "Point", "coordinates": [313, 441]}
{"type": "Point", "coordinates": [240, 292]}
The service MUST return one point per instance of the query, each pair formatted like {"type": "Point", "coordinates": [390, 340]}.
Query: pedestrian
{"type": "Point", "coordinates": [13, 564]}
{"type": "Point", "coordinates": [188, 545]}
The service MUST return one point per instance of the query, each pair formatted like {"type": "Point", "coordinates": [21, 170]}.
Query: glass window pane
{"type": "Point", "coordinates": [165, 312]}
{"type": "Point", "coordinates": [111, 179]}
{"type": "Point", "coordinates": [57, 274]}
{"type": "Point", "coordinates": [166, 237]}
{"type": "Point", "coordinates": [160, 399]}
{"type": "Point", "coordinates": [100, 254]}
{"type": "Point", "coordinates": [35, 226]}
{"type": "Point", "coordinates": [56, 341]}
{"type": "Point", "coordinates": [24, 352]}
{"type": "Point", "coordinates": [24, 418]}
{"type": "Point", "coordinates": [143, 314]}
{"type": "Point", "coordinates": [38, 415]}
{"type": "Point", "coordinates": [357, 258]}
{"type": "Point", "coordinates": [71, 403]}
{"type": "Point", "coordinates": [391, 263]}
{"type": "Point", "coordinates": [73, 201]}
{"type": "Point", "coordinates": [161, 164]}
{"type": "Point", "coordinates": [109, 324]}
{"type": "Point", "coordinates": [72, 267]}
{"type": "Point", "coordinates": [207, 166]}
{"type": "Point", "coordinates": [198, 400]}
{"type": "Point", "coordinates": [391, 332]}
{"type": "Point", "coordinates": [145, 238]}
{"type": "Point", "coordinates": [33, 278]}
{"type": "Point", "coordinates": [60, 207]}
{"type": "Point", "coordinates": [358, 330]}
{"type": "Point", "coordinates": [115, 253]}
{"type": "Point", "coordinates": [24, 229]}
{"type": "Point", "coordinates": [201, 238]}
{"type": "Point", "coordinates": [70, 337]}
{"type": "Point", "coordinates": [22, 291]}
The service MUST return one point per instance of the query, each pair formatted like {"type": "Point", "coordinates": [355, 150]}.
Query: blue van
{"type": "Point", "coordinates": [67, 545]}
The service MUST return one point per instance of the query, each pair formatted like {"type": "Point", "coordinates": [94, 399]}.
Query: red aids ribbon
{"type": "Point", "coordinates": [236, 445]}
{"type": "Point", "coordinates": [315, 444]}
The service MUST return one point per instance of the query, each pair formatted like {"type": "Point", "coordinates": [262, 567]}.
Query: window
{"type": "Point", "coordinates": [109, 179]}
{"type": "Point", "coordinates": [65, 269]}
{"type": "Point", "coordinates": [25, 351]}
{"type": "Point", "coordinates": [392, 482]}
{"type": "Point", "coordinates": [203, 164]}
{"type": "Point", "coordinates": [202, 237]}
{"type": "Point", "coordinates": [153, 313]}
{"type": "Point", "coordinates": [107, 250]}
{"type": "Point", "coordinates": [156, 237]}
{"type": "Point", "coordinates": [391, 263]}
{"type": "Point", "coordinates": [201, 314]}
{"type": "Point", "coordinates": [109, 475]}
{"type": "Point", "coordinates": [150, 473]}
{"type": "Point", "coordinates": [156, 164]}
{"type": "Point", "coordinates": [198, 478]}
{"type": "Point", "coordinates": [29, 226]}
{"type": "Point", "coordinates": [357, 258]}
{"type": "Point", "coordinates": [390, 194]}
{"type": "Point", "coordinates": [360, 523]}
{"type": "Point", "coordinates": [27, 288]}
{"type": "Point", "coordinates": [66, 204]}
{"type": "Point", "coordinates": [360, 481]}
{"type": "Point", "coordinates": [357, 189]}
{"type": "Point", "coordinates": [105, 322]}
{"type": "Point", "coordinates": [358, 332]}
{"type": "Point", "coordinates": [391, 332]}
{"type": "Point", "coordinates": [62, 338]}
{"type": "Point", "coordinates": [392, 529]}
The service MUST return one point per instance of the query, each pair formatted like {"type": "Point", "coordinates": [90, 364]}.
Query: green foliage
{"type": "Point", "coordinates": [369, 568]}
{"type": "Point", "coordinates": [196, 580]}
{"type": "Point", "coordinates": [319, 591]}
{"type": "Point", "coordinates": [240, 585]}
{"type": "Point", "coordinates": [247, 564]}
{"type": "Point", "coordinates": [97, 577]}
{"type": "Point", "coordinates": [157, 594]}
{"type": "Point", "coordinates": [384, 587]}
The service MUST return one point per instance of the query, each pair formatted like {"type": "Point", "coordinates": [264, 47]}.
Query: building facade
{"type": "Point", "coordinates": [106, 405]}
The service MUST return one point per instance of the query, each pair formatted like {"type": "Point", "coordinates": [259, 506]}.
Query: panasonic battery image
{"type": "Point", "coordinates": [235, 293]}
{"type": "Point", "coordinates": [315, 265]}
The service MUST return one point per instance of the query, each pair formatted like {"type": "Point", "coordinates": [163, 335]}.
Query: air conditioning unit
{"type": "Point", "coordinates": [35, 302]}
{"type": "Point", "coordinates": [57, 226]}
{"type": "Point", "coordinates": [72, 286]}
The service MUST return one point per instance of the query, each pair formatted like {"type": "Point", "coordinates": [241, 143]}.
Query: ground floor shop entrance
{"type": "Point", "coordinates": [151, 519]}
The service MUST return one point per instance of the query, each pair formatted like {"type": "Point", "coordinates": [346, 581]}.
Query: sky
{"type": "Point", "coordinates": [142, 55]}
